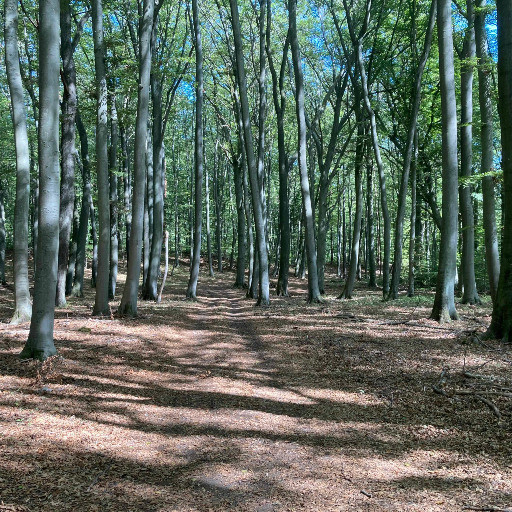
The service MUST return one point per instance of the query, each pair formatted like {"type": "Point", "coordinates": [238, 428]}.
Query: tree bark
{"type": "Point", "coordinates": [101, 306]}
{"type": "Point", "coordinates": [114, 240]}
{"type": "Point", "coordinates": [485, 64]}
{"type": "Point", "coordinates": [198, 156]}
{"type": "Point", "coordinates": [444, 302]}
{"type": "Point", "coordinates": [501, 323]}
{"type": "Point", "coordinates": [258, 208]}
{"type": "Point", "coordinates": [22, 304]}
{"type": "Point", "coordinates": [313, 288]}
{"type": "Point", "coordinates": [402, 195]}
{"type": "Point", "coordinates": [128, 304]}
{"type": "Point", "coordinates": [470, 294]}
{"type": "Point", "coordinates": [40, 344]}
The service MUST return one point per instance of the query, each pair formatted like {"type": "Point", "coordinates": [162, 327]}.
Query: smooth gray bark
{"type": "Point", "coordinates": [258, 208]}
{"type": "Point", "coordinates": [22, 304]}
{"type": "Point", "coordinates": [402, 195]}
{"type": "Point", "coordinates": [40, 344]}
{"type": "Point", "coordinates": [2, 237]}
{"type": "Point", "coordinates": [313, 288]}
{"type": "Point", "coordinates": [485, 65]}
{"type": "Point", "coordinates": [130, 293]}
{"type": "Point", "coordinates": [101, 306]}
{"type": "Point", "coordinates": [114, 240]}
{"type": "Point", "coordinates": [470, 294]}
{"type": "Point", "coordinates": [444, 302]}
{"type": "Point", "coordinates": [198, 156]}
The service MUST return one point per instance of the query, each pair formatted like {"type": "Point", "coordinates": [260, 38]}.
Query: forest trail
{"type": "Point", "coordinates": [219, 405]}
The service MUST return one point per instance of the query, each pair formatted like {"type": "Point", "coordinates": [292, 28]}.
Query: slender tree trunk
{"type": "Point", "coordinates": [40, 344]}
{"type": "Point", "coordinates": [501, 324]}
{"type": "Point", "coordinates": [486, 141]}
{"type": "Point", "coordinates": [470, 295]}
{"type": "Point", "coordinates": [22, 306]}
{"type": "Point", "coordinates": [85, 209]}
{"type": "Point", "coordinates": [313, 289]}
{"type": "Point", "coordinates": [126, 189]}
{"type": "Point", "coordinates": [2, 237]}
{"type": "Point", "coordinates": [114, 240]}
{"type": "Point", "coordinates": [94, 237]}
{"type": "Point", "coordinates": [413, 220]}
{"type": "Point", "coordinates": [444, 302]}
{"type": "Point", "coordinates": [128, 304]}
{"type": "Point", "coordinates": [101, 306]}
{"type": "Point", "coordinates": [238, 170]}
{"type": "Point", "coordinates": [198, 156]}
{"type": "Point", "coordinates": [73, 248]}
{"type": "Point", "coordinates": [371, 267]}
{"type": "Point", "coordinates": [413, 120]}
{"type": "Point", "coordinates": [148, 210]}
{"type": "Point", "coordinates": [258, 207]}
{"type": "Point", "coordinates": [208, 231]}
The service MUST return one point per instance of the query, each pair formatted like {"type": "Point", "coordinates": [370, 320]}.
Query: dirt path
{"type": "Point", "coordinates": [219, 405]}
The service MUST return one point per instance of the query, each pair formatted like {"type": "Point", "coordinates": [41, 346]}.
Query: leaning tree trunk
{"type": "Point", "coordinates": [198, 157]}
{"type": "Point", "coordinates": [23, 306]}
{"type": "Point", "coordinates": [313, 289]}
{"type": "Point", "coordinates": [492, 258]}
{"type": "Point", "coordinates": [501, 324]}
{"type": "Point", "coordinates": [444, 302]}
{"type": "Point", "coordinates": [128, 304]}
{"type": "Point", "coordinates": [258, 208]}
{"type": "Point", "coordinates": [101, 306]}
{"type": "Point", "coordinates": [470, 295]}
{"type": "Point", "coordinates": [40, 344]}
{"type": "Point", "coordinates": [67, 180]}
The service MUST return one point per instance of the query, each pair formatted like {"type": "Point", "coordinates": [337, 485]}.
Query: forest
{"type": "Point", "coordinates": [256, 255]}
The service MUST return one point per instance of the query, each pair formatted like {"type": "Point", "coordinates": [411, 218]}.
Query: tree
{"type": "Point", "coordinates": [198, 156]}
{"type": "Point", "coordinates": [501, 323]}
{"type": "Point", "coordinates": [313, 288]}
{"type": "Point", "coordinates": [128, 304]}
{"type": "Point", "coordinates": [101, 306]}
{"type": "Point", "coordinates": [444, 302]}
{"type": "Point", "coordinates": [258, 211]}
{"type": "Point", "coordinates": [23, 306]}
{"type": "Point", "coordinates": [40, 344]}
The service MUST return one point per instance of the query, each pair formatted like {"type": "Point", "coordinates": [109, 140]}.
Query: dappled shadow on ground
{"type": "Point", "coordinates": [220, 405]}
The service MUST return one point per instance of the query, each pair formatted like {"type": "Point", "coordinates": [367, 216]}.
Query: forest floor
{"type": "Point", "coordinates": [220, 405]}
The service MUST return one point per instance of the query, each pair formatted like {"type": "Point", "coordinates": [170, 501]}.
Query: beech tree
{"type": "Point", "coordinates": [40, 344]}
{"type": "Point", "coordinates": [23, 306]}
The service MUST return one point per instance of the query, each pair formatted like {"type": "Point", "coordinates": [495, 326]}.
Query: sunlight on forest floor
{"type": "Point", "coordinates": [220, 405]}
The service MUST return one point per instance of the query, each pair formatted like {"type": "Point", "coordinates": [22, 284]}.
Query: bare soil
{"type": "Point", "coordinates": [220, 405]}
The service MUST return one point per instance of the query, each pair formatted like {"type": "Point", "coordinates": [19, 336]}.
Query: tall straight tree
{"type": "Point", "coordinates": [408, 157]}
{"type": "Point", "coordinates": [67, 177]}
{"type": "Point", "coordinates": [444, 302]}
{"type": "Point", "coordinates": [485, 64]}
{"type": "Point", "coordinates": [23, 306]}
{"type": "Point", "coordinates": [128, 304]}
{"type": "Point", "coordinates": [40, 344]}
{"type": "Point", "coordinates": [258, 210]}
{"type": "Point", "coordinates": [470, 295]}
{"type": "Point", "coordinates": [313, 289]}
{"type": "Point", "coordinates": [198, 157]}
{"type": "Point", "coordinates": [101, 302]}
{"type": "Point", "coordinates": [501, 324]}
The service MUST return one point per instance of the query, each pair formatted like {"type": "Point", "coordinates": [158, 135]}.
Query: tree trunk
{"type": "Point", "coordinates": [2, 237]}
{"type": "Point", "coordinates": [238, 170]}
{"type": "Point", "coordinates": [126, 189]}
{"type": "Point", "coordinates": [413, 222]}
{"type": "Point", "coordinates": [208, 230]}
{"type": "Point", "coordinates": [114, 240]}
{"type": "Point", "coordinates": [313, 289]}
{"type": "Point", "coordinates": [486, 141]}
{"type": "Point", "coordinates": [501, 324]}
{"type": "Point", "coordinates": [78, 284]}
{"type": "Point", "coordinates": [470, 295]}
{"type": "Point", "coordinates": [40, 344]}
{"type": "Point", "coordinates": [413, 120]}
{"type": "Point", "coordinates": [128, 304]}
{"type": "Point", "coordinates": [371, 267]}
{"type": "Point", "coordinates": [73, 248]}
{"type": "Point", "coordinates": [198, 156]}
{"type": "Point", "coordinates": [258, 207]}
{"type": "Point", "coordinates": [23, 306]}
{"type": "Point", "coordinates": [101, 306]}
{"type": "Point", "coordinates": [444, 302]}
